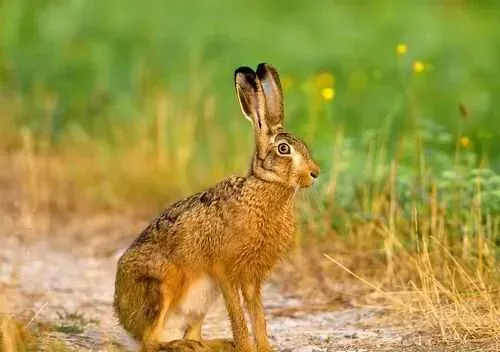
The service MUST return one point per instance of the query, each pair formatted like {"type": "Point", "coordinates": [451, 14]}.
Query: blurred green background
{"type": "Point", "coordinates": [409, 78]}
{"type": "Point", "coordinates": [121, 107]}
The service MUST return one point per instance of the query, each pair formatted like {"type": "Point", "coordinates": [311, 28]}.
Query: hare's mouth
{"type": "Point", "coordinates": [307, 181]}
{"type": "Point", "coordinates": [312, 181]}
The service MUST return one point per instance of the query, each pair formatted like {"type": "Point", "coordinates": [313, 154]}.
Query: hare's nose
{"type": "Point", "coordinates": [315, 173]}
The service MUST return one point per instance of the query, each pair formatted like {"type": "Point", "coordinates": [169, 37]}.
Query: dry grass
{"type": "Point", "coordinates": [460, 302]}
{"type": "Point", "coordinates": [445, 286]}
{"type": "Point", "coordinates": [143, 165]}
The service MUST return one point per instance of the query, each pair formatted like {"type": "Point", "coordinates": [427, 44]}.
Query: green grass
{"type": "Point", "coordinates": [96, 63]}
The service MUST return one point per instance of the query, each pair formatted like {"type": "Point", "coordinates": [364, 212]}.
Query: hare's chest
{"type": "Point", "coordinates": [277, 233]}
{"type": "Point", "coordinates": [266, 246]}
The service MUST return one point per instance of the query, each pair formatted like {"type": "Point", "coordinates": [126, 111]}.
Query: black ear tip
{"type": "Point", "coordinates": [261, 69]}
{"type": "Point", "coordinates": [244, 70]}
{"type": "Point", "coordinates": [264, 68]}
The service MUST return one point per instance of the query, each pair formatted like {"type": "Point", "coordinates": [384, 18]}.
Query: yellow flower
{"type": "Point", "coordinates": [324, 80]}
{"type": "Point", "coordinates": [401, 49]}
{"type": "Point", "coordinates": [464, 141]}
{"type": "Point", "coordinates": [328, 93]}
{"type": "Point", "coordinates": [418, 66]}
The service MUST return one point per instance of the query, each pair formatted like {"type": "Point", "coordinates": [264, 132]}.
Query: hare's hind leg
{"type": "Point", "coordinates": [152, 338]}
{"type": "Point", "coordinates": [166, 325]}
{"type": "Point", "coordinates": [185, 300]}
{"type": "Point", "coordinates": [215, 345]}
{"type": "Point", "coordinates": [197, 346]}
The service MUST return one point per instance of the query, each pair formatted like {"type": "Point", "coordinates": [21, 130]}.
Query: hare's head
{"type": "Point", "coordinates": [279, 156]}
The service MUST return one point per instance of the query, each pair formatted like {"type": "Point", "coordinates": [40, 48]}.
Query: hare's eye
{"type": "Point", "coordinates": [283, 148]}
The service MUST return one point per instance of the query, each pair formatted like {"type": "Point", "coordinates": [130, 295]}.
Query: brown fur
{"type": "Point", "coordinates": [231, 234]}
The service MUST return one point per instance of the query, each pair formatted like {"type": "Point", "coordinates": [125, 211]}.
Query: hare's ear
{"type": "Point", "coordinates": [250, 95]}
{"type": "Point", "coordinates": [253, 106]}
{"type": "Point", "coordinates": [273, 93]}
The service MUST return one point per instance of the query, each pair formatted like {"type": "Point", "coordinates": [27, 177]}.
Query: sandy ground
{"type": "Point", "coordinates": [74, 293]}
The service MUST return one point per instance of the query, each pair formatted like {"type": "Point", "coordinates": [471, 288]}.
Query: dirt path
{"type": "Point", "coordinates": [74, 294]}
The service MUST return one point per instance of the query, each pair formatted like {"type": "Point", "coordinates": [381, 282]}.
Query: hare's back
{"type": "Point", "coordinates": [206, 205]}
{"type": "Point", "coordinates": [198, 213]}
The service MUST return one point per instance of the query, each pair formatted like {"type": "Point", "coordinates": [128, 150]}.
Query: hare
{"type": "Point", "coordinates": [223, 240]}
